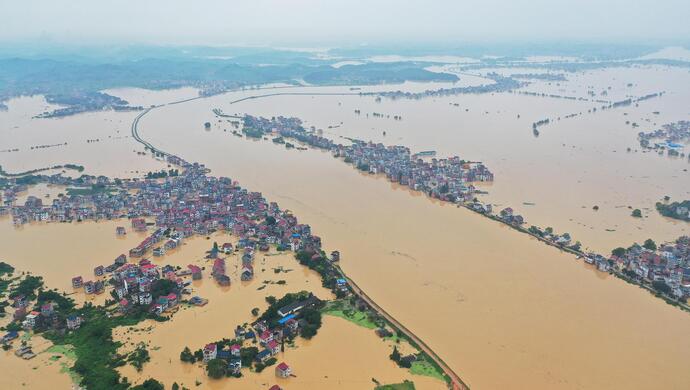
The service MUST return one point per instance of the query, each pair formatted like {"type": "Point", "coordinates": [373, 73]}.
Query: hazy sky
{"type": "Point", "coordinates": [312, 22]}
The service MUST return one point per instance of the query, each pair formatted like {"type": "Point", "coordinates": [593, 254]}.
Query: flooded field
{"type": "Point", "coordinates": [504, 310]}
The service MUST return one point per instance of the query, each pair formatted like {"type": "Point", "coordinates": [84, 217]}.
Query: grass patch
{"type": "Point", "coordinates": [406, 385]}
{"type": "Point", "coordinates": [345, 310]}
{"type": "Point", "coordinates": [425, 368]}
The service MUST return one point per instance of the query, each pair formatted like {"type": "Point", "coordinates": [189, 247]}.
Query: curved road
{"type": "Point", "coordinates": [456, 381]}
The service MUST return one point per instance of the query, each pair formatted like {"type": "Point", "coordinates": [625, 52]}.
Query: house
{"type": "Point", "coordinates": [172, 300]}
{"type": "Point", "coordinates": [124, 305]}
{"type": "Point", "coordinates": [30, 321]}
{"type": "Point", "coordinates": [77, 282]}
{"type": "Point", "coordinates": [121, 260]}
{"type": "Point", "coordinates": [235, 350]}
{"type": "Point", "coordinates": [283, 370]}
{"type": "Point", "coordinates": [292, 325]}
{"type": "Point", "coordinates": [247, 273]}
{"type": "Point", "coordinates": [222, 280]}
{"type": "Point", "coordinates": [145, 298]}
{"type": "Point", "coordinates": [210, 352]}
{"type": "Point", "coordinates": [507, 212]}
{"type": "Point", "coordinates": [239, 332]}
{"type": "Point", "coordinates": [273, 346]}
{"type": "Point", "coordinates": [89, 287]}
{"type": "Point", "coordinates": [263, 355]}
{"type": "Point", "coordinates": [227, 248]}
{"type": "Point", "coordinates": [98, 271]}
{"type": "Point", "coordinates": [265, 337]}
{"type": "Point", "coordinates": [47, 309]}
{"type": "Point", "coordinates": [335, 256]}
{"type": "Point", "coordinates": [73, 322]}
{"type": "Point", "coordinates": [120, 231]}
{"type": "Point", "coordinates": [296, 306]}
{"type": "Point", "coordinates": [196, 271]}
{"type": "Point", "coordinates": [19, 314]}
{"type": "Point", "coordinates": [159, 251]}
{"type": "Point", "coordinates": [275, 387]}
{"type": "Point", "coordinates": [121, 292]}
{"type": "Point", "coordinates": [198, 301]}
{"type": "Point", "coordinates": [9, 336]}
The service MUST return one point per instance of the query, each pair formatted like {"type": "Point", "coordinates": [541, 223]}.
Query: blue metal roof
{"type": "Point", "coordinates": [285, 319]}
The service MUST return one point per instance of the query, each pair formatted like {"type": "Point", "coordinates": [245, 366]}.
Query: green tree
{"type": "Point", "coordinates": [187, 356]}
{"type": "Point", "coordinates": [637, 213]}
{"type": "Point", "coordinates": [149, 384]}
{"type": "Point", "coordinates": [216, 368]}
{"type": "Point", "coordinates": [618, 252]}
{"type": "Point", "coordinates": [395, 355]}
{"type": "Point", "coordinates": [649, 244]}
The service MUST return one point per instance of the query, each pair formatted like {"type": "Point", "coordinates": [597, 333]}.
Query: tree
{"type": "Point", "coordinates": [649, 244]}
{"type": "Point", "coordinates": [187, 356]}
{"type": "Point", "coordinates": [662, 287]}
{"type": "Point", "coordinates": [247, 355]}
{"type": "Point", "coordinates": [149, 384]}
{"type": "Point", "coordinates": [637, 213]}
{"type": "Point", "coordinates": [395, 355]}
{"type": "Point", "coordinates": [216, 368]}
{"type": "Point", "coordinates": [618, 252]}
{"type": "Point", "coordinates": [162, 287]}
{"type": "Point", "coordinates": [270, 221]}
{"type": "Point", "coordinates": [549, 230]}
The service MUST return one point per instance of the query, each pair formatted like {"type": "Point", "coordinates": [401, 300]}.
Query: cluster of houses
{"type": "Point", "coordinates": [184, 205]}
{"type": "Point", "coordinates": [669, 263]}
{"type": "Point", "coordinates": [270, 338]}
{"type": "Point", "coordinates": [132, 284]}
{"type": "Point", "coordinates": [671, 136]}
{"type": "Point", "coordinates": [44, 316]}
{"type": "Point", "coordinates": [446, 179]}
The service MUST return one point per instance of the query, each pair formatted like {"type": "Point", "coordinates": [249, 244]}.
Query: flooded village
{"type": "Point", "coordinates": [182, 205]}
{"type": "Point", "coordinates": [450, 180]}
{"type": "Point", "coordinates": [150, 214]}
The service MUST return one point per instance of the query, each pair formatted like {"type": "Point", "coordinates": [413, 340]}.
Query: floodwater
{"type": "Point", "coordinates": [504, 310]}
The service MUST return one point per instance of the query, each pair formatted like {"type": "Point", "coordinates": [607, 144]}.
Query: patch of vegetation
{"type": "Point", "coordinates": [425, 367]}
{"type": "Point", "coordinates": [27, 287]}
{"type": "Point", "coordinates": [637, 213]}
{"type": "Point", "coordinates": [344, 309]}
{"type": "Point", "coordinates": [95, 350]}
{"type": "Point", "coordinates": [649, 244]}
{"type": "Point", "coordinates": [5, 269]}
{"type": "Point", "coordinates": [138, 357]}
{"type": "Point", "coordinates": [217, 368]}
{"type": "Point", "coordinates": [252, 133]}
{"type": "Point", "coordinates": [93, 190]}
{"type": "Point", "coordinates": [677, 210]}
{"type": "Point", "coordinates": [406, 385]}
{"type": "Point", "coordinates": [162, 174]}
{"type": "Point", "coordinates": [149, 384]}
